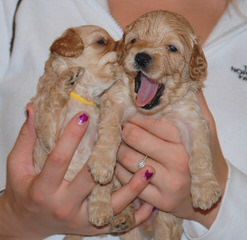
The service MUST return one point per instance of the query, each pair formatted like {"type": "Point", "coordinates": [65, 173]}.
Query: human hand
{"type": "Point", "coordinates": [170, 187]}
{"type": "Point", "coordinates": [37, 206]}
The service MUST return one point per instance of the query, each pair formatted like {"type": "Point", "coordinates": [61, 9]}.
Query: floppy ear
{"type": "Point", "coordinates": [198, 64]}
{"type": "Point", "coordinates": [68, 45]}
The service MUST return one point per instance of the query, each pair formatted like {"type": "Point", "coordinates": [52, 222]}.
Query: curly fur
{"type": "Point", "coordinates": [82, 60]}
{"type": "Point", "coordinates": [170, 56]}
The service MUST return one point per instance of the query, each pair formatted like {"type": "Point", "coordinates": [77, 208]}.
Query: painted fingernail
{"type": "Point", "coordinates": [82, 119]}
{"type": "Point", "coordinates": [148, 174]}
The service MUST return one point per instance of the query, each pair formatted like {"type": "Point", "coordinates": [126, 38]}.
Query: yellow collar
{"type": "Point", "coordinates": [81, 99]}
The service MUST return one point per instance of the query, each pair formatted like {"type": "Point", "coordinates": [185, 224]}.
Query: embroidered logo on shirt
{"type": "Point", "coordinates": [242, 73]}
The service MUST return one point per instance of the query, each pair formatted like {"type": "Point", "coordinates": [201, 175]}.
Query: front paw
{"type": "Point", "coordinates": [100, 213]}
{"type": "Point", "coordinates": [205, 194]}
{"type": "Point", "coordinates": [101, 168]}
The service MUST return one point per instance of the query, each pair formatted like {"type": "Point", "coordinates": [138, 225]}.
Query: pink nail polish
{"type": "Point", "coordinates": [148, 174]}
{"type": "Point", "coordinates": [82, 119]}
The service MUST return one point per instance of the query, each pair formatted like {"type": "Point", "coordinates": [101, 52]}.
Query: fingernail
{"type": "Point", "coordinates": [148, 174]}
{"type": "Point", "coordinates": [82, 119]}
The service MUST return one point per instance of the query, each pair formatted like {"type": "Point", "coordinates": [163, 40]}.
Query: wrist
{"type": "Point", "coordinates": [6, 230]}
{"type": "Point", "coordinates": [12, 226]}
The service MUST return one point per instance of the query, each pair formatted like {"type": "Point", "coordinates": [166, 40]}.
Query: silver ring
{"type": "Point", "coordinates": [143, 162]}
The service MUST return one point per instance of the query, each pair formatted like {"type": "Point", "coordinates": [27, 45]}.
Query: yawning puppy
{"type": "Point", "coordinates": [166, 67]}
{"type": "Point", "coordinates": [81, 67]}
{"type": "Point", "coordinates": [163, 69]}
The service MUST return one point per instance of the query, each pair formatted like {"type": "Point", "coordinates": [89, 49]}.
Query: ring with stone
{"type": "Point", "coordinates": [142, 163]}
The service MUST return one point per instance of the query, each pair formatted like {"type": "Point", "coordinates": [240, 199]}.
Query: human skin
{"type": "Point", "coordinates": [39, 205]}
{"type": "Point", "coordinates": [169, 189]}
{"type": "Point", "coordinates": [197, 12]}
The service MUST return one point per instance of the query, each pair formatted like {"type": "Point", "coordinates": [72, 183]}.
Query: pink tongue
{"type": "Point", "coordinates": [146, 92]}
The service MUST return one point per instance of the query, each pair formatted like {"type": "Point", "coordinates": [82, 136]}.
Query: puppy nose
{"type": "Point", "coordinates": [143, 59]}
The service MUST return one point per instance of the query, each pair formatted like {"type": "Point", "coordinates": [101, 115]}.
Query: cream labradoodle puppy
{"type": "Point", "coordinates": [163, 68]}
{"type": "Point", "coordinates": [81, 67]}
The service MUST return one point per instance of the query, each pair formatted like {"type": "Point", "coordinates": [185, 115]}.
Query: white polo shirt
{"type": "Point", "coordinates": [39, 22]}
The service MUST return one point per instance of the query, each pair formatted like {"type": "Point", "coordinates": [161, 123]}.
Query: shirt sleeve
{"type": "Point", "coordinates": [230, 222]}
{"type": "Point", "coordinates": [7, 11]}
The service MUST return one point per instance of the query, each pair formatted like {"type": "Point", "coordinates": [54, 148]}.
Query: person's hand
{"type": "Point", "coordinates": [170, 187]}
{"type": "Point", "coordinates": [35, 206]}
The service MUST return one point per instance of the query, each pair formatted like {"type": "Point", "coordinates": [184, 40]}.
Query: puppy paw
{"type": "Point", "coordinates": [205, 195]}
{"type": "Point", "coordinates": [122, 223]}
{"type": "Point", "coordinates": [100, 213]}
{"type": "Point", "coordinates": [100, 168]}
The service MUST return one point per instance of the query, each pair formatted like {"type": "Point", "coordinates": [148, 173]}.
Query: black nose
{"type": "Point", "coordinates": [143, 59]}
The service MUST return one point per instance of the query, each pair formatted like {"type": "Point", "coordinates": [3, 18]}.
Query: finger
{"type": "Point", "coordinates": [82, 185]}
{"type": "Point", "coordinates": [166, 153]}
{"type": "Point", "coordinates": [123, 175]}
{"type": "Point", "coordinates": [129, 159]}
{"type": "Point", "coordinates": [143, 213]}
{"type": "Point", "coordinates": [160, 127]}
{"type": "Point", "coordinates": [149, 191]}
{"type": "Point", "coordinates": [58, 160]}
{"type": "Point", "coordinates": [125, 195]}
{"type": "Point", "coordinates": [20, 159]}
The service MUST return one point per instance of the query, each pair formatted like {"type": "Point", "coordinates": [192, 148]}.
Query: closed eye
{"type": "Point", "coordinates": [172, 48]}
{"type": "Point", "coordinates": [133, 40]}
{"type": "Point", "coordinates": [102, 42]}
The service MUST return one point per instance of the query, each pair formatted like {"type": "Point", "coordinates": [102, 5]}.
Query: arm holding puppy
{"type": "Point", "coordinates": [170, 188]}
{"type": "Point", "coordinates": [37, 206]}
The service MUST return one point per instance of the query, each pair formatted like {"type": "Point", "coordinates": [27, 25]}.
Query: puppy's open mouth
{"type": "Point", "coordinates": [148, 91]}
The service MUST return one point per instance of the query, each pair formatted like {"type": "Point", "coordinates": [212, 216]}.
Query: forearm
{"type": "Point", "coordinates": [6, 229]}
{"type": "Point", "coordinates": [230, 221]}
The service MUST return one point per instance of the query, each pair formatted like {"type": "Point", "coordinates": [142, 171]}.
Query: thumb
{"type": "Point", "coordinates": [21, 155]}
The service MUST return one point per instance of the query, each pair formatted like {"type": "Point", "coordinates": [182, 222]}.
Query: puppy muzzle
{"type": "Point", "coordinates": [142, 60]}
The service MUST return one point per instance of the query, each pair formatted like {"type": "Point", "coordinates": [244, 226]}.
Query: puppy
{"type": "Point", "coordinates": [78, 72]}
{"type": "Point", "coordinates": [163, 68]}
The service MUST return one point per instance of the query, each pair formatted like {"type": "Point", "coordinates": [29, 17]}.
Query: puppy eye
{"type": "Point", "coordinates": [133, 41]}
{"type": "Point", "coordinates": [102, 42]}
{"type": "Point", "coordinates": [172, 48]}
